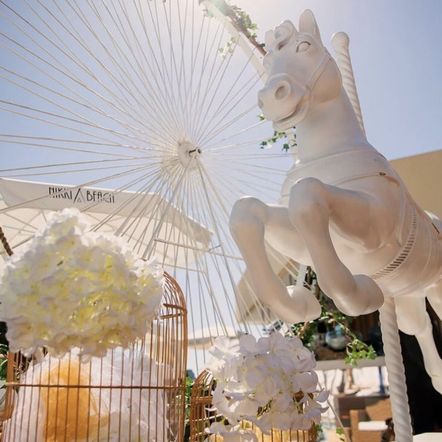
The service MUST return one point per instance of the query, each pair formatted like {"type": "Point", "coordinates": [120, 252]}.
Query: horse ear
{"type": "Point", "coordinates": [281, 35]}
{"type": "Point", "coordinates": [269, 40]}
{"type": "Point", "coordinates": [307, 24]}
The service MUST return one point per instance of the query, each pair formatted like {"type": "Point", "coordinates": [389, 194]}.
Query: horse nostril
{"type": "Point", "coordinates": [281, 92]}
{"type": "Point", "coordinates": [260, 103]}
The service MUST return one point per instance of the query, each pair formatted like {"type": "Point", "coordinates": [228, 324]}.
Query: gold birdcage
{"type": "Point", "coordinates": [202, 416]}
{"type": "Point", "coordinates": [134, 394]}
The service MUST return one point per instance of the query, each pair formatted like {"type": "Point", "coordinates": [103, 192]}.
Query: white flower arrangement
{"type": "Point", "coordinates": [70, 287]}
{"type": "Point", "coordinates": [269, 382]}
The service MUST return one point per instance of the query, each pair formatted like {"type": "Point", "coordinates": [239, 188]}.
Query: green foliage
{"type": "Point", "coordinates": [319, 432]}
{"type": "Point", "coordinates": [228, 48]}
{"type": "Point", "coordinates": [3, 362]}
{"type": "Point", "coordinates": [331, 317]}
{"type": "Point", "coordinates": [241, 21]}
{"type": "Point", "coordinates": [188, 394]}
{"type": "Point", "coordinates": [358, 350]}
{"type": "Point", "coordinates": [269, 142]}
{"type": "Point", "coordinates": [277, 136]}
{"type": "Point", "coordinates": [189, 385]}
{"type": "Point", "coordinates": [341, 433]}
{"type": "Point", "coordinates": [307, 332]}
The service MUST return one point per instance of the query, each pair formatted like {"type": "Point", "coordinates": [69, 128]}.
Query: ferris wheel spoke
{"type": "Point", "coordinates": [256, 176]}
{"type": "Point", "coordinates": [179, 65]}
{"type": "Point", "coordinates": [247, 184]}
{"type": "Point", "coordinates": [235, 119]}
{"type": "Point", "coordinates": [24, 225]}
{"type": "Point", "coordinates": [61, 95]}
{"type": "Point", "coordinates": [109, 103]}
{"type": "Point", "coordinates": [10, 140]}
{"type": "Point", "coordinates": [156, 217]}
{"type": "Point", "coordinates": [162, 187]}
{"type": "Point", "coordinates": [73, 163]}
{"type": "Point", "coordinates": [283, 263]}
{"type": "Point", "coordinates": [182, 16]}
{"type": "Point", "coordinates": [259, 154]}
{"type": "Point", "coordinates": [163, 71]}
{"type": "Point", "coordinates": [190, 205]}
{"type": "Point", "coordinates": [212, 87]}
{"type": "Point", "coordinates": [172, 67]}
{"type": "Point", "coordinates": [247, 144]}
{"type": "Point", "coordinates": [243, 90]}
{"type": "Point", "coordinates": [205, 72]}
{"type": "Point", "coordinates": [159, 213]}
{"type": "Point", "coordinates": [155, 102]}
{"type": "Point", "coordinates": [211, 132]}
{"type": "Point", "coordinates": [171, 239]}
{"type": "Point", "coordinates": [188, 80]}
{"type": "Point", "coordinates": [21, 108]}
{"type": "Point", "coordinates": [208, 216]}
{"type": "Point", "coordinates": [174, 191]}
{"type": "Point", "coordinates": [229, 242]}
{"type": "Point", "coordinates": [260, 165]}
{"type": "Point", "coordinates": [141, 191]}
{"type": "Point", "coordinates": [249, 165]}
{"type": "Point", "coordinates": [151, 104]}
{"type": "Point", "coordinates": [217, 145]}
{"type": "Point", "coordinates": [66, 109]}
{"type": "Point", "coordinates": [55, 63]}
{"type": "Point", "coordinates": [125, 226]}
{"type": "Point", "coordinates": [68, 120]}
{"type": "Point", "coordinates": [194, 57]}
{"type": "Point", "coordinates": [230, 95]}
{"type": "Point", "coordinates": [205, 217]}
{"type": "Point", "coordinates": [65, 172]}
{"type": "Point", "coordinates": [163, 100]}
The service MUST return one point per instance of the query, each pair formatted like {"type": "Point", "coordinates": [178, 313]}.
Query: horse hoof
{"type": "Point", "coordinates": [303, 304]}
{"type": "Point", "coordinates": [366, 298]}
{"type": "Point", "coordinates": [370, 291]}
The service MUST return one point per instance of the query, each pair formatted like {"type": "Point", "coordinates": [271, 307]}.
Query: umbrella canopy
{"type": "Point", "coordinates": [152, 226]}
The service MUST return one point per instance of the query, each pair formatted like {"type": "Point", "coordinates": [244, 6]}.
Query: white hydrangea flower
{"type": "Point", "coordinates": [269, 381]}
{"type": "Point", "coordinates": [70, 287]}
{"type": "Point", "coordinates": [232, 433]}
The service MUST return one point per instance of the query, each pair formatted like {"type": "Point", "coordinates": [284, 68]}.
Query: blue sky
{"type": "Point", "coordinates": [396, 48]}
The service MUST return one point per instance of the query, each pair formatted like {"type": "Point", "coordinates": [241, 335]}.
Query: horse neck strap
{"type": "Point", "coordinates": [318, 71]}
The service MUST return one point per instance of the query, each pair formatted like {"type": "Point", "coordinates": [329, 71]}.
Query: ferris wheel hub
{"type": "Point", "coordinates": [188, 153]}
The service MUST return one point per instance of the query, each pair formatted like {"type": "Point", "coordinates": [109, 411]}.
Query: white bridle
{"type": "Point", "coordinates": [291, 121]}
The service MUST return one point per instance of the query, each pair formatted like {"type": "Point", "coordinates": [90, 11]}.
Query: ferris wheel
{"type": "Point", "coordinates": [143, 115]}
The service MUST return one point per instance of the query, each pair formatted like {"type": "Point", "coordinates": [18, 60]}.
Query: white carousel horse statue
{"type": "Point", "coordinates": [343, 209]}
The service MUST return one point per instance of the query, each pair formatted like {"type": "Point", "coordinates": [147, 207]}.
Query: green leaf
{"type": "Point", "coordinates": [341, 433]}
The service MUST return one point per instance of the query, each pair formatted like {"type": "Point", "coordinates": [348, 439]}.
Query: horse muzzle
{"type": "Point", "coordinates": [282, 100]}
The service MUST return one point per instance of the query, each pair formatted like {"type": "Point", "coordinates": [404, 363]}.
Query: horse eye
{"type": "Point", "coordinates": [303, 46]}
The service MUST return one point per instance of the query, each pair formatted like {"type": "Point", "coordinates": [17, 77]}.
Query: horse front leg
{"type": "Point", "coordinates": [251, 222]}
{"type": "Point", "coordinates": [313, 205]}
{"type": "Point", "coordinates": [434, 296]}
{"type": "Point", "coordinates": [413, 319]}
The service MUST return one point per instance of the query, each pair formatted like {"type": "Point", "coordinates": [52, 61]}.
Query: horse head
{"type": "Point", "coordinates": [300, 72]}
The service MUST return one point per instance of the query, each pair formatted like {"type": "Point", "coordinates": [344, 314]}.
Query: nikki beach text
{"type": "Point", "coordinates": [81, 195]}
